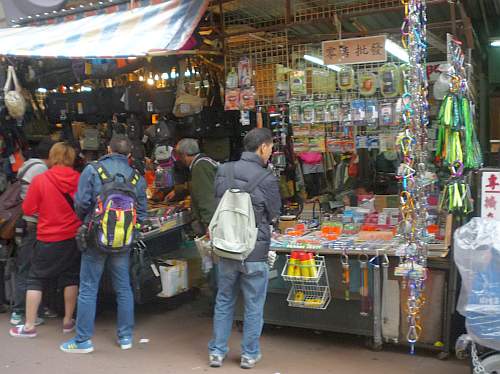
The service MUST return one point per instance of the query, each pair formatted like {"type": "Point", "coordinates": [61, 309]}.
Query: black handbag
{"type": "Point", "coordinates": [85, 106]}
{"type": "Point", "coordinates": [163, 100]}
{"type": "Point", "coordinates": [58, 106]}
{"type": "Point", "coordinates": [134, 99]}
{"type": "Point", "coordinates": [146, 283]}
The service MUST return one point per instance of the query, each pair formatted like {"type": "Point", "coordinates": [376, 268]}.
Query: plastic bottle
{"type": "Point", "coordinates": [292, 264]}
{"type": "Point", "coordinates": [304, 265]}
{"type": "Point", "coordinates": [311, 262]}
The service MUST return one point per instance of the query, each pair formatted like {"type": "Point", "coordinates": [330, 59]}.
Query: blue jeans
{"type": "Point", "coordinates": [251, 278]}
{"type": "Point", "coordinates": [92, 267]}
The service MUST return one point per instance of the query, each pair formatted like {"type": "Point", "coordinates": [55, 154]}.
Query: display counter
{"type": "Point", "coordinates": [376, 309]}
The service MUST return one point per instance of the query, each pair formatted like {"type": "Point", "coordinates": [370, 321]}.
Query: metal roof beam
{"type": "Point", "coordinates": [338, 12]}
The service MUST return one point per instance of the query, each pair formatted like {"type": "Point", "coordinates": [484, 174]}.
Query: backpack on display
{"type": "Point", "coordinates": [91, 140]}
{"type": "Point", "coordinates": [113, 225]}
{"type": "Point", "coordinates": [11, 205]}
{"type": "Point", "coordinates": [233, 228]}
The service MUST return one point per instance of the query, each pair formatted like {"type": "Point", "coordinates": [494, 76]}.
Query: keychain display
{"type": "Point", "coordinates": [414, 114]}
{"type": "Point", "coordinates": [367, 83]}
{"type": "Point", "coordinates": [389, 76]}
{"type": "Point", "coordinates": [346, 78]}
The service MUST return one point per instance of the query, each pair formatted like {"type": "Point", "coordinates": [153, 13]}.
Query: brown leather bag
{"type": "Point", "coordinates": [11, 206]}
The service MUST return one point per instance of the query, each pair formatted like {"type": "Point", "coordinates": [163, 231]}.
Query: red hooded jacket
{"type": "Point", "coordinates": [57, 221]}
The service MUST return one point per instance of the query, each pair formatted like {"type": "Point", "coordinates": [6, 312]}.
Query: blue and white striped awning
{"type": "Point", "coordinates": [137, 32]}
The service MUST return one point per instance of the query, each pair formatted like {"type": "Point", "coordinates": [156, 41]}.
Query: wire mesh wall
{"type": "Point", "coordinates": [267, 54]}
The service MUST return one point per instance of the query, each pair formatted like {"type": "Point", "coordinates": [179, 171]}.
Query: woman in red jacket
{"type": "Point", "coordinates": [56, 256]}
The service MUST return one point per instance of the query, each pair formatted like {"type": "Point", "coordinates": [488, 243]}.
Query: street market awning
{"type": "Point", "coordinates": [137, 32]}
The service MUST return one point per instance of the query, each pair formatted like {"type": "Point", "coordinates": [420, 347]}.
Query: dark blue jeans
{"type": "Point", "coordinates": [252, 279]}
{"type": "Point", "coordinates": [93, 262]}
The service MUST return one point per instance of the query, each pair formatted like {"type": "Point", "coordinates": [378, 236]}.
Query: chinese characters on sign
{"type": "Point", "coordinates": [355, 51]}
{"type": "Point", "coordinates": [490, 193]}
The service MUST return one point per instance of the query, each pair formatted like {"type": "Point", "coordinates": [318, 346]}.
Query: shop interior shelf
{"type": "Point", "coordinates": [309, 296]}
{"type": "Point", "coordinates": [319, 269]}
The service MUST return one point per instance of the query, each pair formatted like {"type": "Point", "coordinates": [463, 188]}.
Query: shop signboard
{"type": "Point", "coordinates": [490, 194]}
{"type": "Point", "coordinates": [355, 51]}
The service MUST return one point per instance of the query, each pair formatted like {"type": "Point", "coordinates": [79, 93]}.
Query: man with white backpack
{"type": "Point", "coordinates": [241, 236]}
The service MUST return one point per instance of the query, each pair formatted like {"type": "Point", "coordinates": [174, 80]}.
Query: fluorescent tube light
{"type": "Point", "coordinates": [317, 60]}
{"type": "Point", "coordinates": [495, 43]}
{"type": "Point", "coordinates": [396, 50]}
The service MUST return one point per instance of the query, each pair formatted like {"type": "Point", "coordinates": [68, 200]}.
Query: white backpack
{"type": "Point", "coordinates": [233, 229]}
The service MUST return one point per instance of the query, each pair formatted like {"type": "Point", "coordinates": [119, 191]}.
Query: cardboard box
{"type": "Point", "coordinates": [386, 201]}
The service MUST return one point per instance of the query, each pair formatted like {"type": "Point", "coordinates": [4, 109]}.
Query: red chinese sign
{"type": "Point", "coordinates": [490, 195]}
{"type": "Point", "coordinates": [355, 51]}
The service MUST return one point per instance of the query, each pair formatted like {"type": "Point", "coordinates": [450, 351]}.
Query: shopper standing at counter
{"type": "Point", "coordinates": [56, 256]}
{"type": "Point", "coordinates": [115, 164]}
{"type": "Point", "coordinates": [251, 275]}
{"type": "Point", "coordinates": [203, 170]}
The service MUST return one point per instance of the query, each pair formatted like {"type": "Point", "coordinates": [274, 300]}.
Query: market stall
{"type": "Point", "coordinates": [153, 88]}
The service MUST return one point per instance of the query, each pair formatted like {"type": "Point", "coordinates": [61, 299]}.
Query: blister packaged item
{"type": "Point", "coordinates": [358, 112]}
{"type": "Point", "coordinates": [320, 111]}
{"type": "Point", "coordinates": [244, 73]}
{"type": "Point", "coordinates": [389, 77]}
{"type": "Point", "coordinates": [298, 83]}
{"type": "Point", "coordinates": [345, 114]}
{"type": "Point", "coordinates": [295, 112]}
{"type": "Point", "coordinates": [333, 111]}
{"type": "Point", "coordinates": [232, 80]}
{"type": "Point", "coordinates": [367, 83]}
{"type": "Point", "coordinates": [307, 112]}
{"type": "Point", "coordinates": [301, 130]}
{"type": "Point", "coordinates": [386, 114]}
{"type": "Point", "coordinates": [232, 101]}
{"type": "Point", "coordinates": [245, 118]}
{"type": "Point", "coordinates": [247, 98]}
{"type": "Point", "coordinates": [371, 108]}
{"type": "Point", "coordinates": [317, 130]}
{"type": "Point", "coordinates": [346, 78]}
{"type": "Point", "coordinates": [300, 144]}
{"type": "Point", "coordinates": [282, 92]}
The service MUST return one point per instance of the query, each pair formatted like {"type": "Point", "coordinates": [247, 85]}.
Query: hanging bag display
{"type": "Point", "coordinates": [186, 104]}
{"type": "Point", "coordinates": [14, 100]}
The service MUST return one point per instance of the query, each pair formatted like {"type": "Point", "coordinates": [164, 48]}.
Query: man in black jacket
{"type": "Point", "coordinates": [250, 276]}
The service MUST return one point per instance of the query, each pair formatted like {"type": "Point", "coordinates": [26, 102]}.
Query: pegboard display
{"type": "Point", "coordinates": [267, 55]}
{"type": "Point", "coordinates": [350, 111]}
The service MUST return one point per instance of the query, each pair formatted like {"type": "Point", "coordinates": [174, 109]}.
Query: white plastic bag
{"type": "Point", "coordinates": [477, 255]}
{"type": "Point", "coordinates": [14, 100]}
{"type": "Point", "coordinates": [204, 247]}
